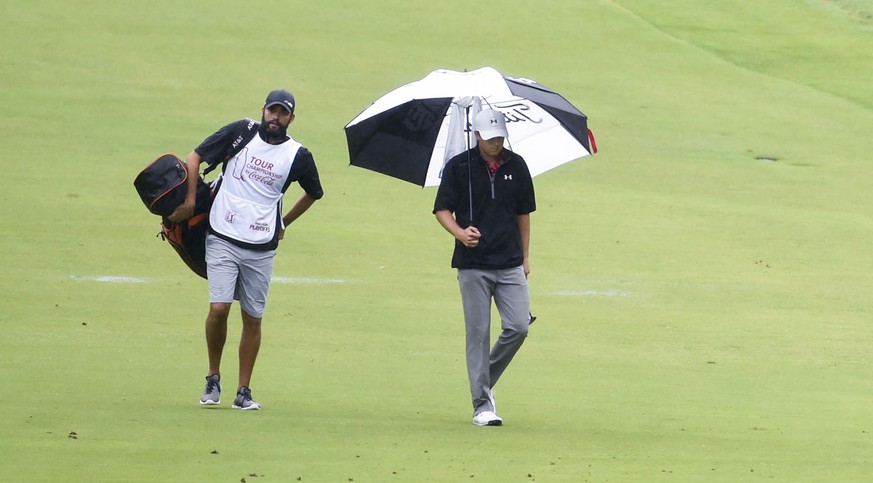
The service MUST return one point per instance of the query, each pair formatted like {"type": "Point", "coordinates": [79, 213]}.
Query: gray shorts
{"type": "Point", "coordinates": [237, 273]}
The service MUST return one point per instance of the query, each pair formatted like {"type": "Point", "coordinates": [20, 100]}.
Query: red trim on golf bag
{"type": "Point", "coordinates": [189, 240]}
{"type": "Point", "coordinates": [591, 140]}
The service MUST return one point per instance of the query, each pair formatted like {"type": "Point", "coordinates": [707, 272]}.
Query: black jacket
{"type": "Point", "coordinates": [497, 202]}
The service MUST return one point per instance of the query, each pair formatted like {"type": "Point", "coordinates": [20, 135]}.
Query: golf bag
{"type": "Point", "coordinates": [163, 185]}
{"type": "Point", "coordinates": [188, 238]}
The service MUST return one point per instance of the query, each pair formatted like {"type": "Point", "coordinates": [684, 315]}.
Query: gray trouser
{"type": "Point", "coordinates": [486, 364]}
{"type": "Point", "coordinates": [237, 273]}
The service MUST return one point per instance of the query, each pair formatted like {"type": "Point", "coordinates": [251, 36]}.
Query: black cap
{"type": "Point", "coordinates": [282, 98]}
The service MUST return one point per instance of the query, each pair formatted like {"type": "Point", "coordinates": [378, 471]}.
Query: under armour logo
{"type": "Point", "coordinates": [507, 176]}
{"type": "Point", "coordinates": [493, 121]}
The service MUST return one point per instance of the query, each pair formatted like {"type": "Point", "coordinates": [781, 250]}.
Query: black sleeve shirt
{"type": "Point", "coordinates": [215, 149]}
{"type": "Point", "coordinates": [496, 201]}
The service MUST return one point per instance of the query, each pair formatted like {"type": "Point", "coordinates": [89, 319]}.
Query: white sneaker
{"type": "Point", "coordinates": [487, 418]}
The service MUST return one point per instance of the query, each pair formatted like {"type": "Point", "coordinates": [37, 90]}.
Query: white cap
{"type": "Point", "coordinates": [490, 124]}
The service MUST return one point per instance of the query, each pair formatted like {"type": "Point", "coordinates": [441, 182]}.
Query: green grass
{"type": "Point", "coordinates": [701, 283]}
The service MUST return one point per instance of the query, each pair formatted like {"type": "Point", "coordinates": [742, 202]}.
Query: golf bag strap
{"type": "Point", "coordinates": [241, 137]}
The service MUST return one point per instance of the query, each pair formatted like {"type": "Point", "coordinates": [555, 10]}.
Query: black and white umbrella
{"type": "Point", "coordinates": [412, 131]}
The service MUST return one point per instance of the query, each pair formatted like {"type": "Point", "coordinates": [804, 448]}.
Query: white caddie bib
{"type": "Point", "coordinates": [247, 205]}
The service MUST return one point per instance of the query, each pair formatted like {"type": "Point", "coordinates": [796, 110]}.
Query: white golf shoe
{"type": "Point", "coordinates": [487, 418]}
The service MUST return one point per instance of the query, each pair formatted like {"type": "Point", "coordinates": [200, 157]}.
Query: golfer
{"type": "Point", "coordinates": [246, 224]}
{"type": "Point", "coordinates": [484, 200]}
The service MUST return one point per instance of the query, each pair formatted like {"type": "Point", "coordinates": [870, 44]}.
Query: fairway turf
{"type": "Point", "coordinates": [701, 284]}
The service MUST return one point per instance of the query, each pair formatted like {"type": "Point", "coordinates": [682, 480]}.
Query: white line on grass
{"type": "Point", "coordinates": [111, 279]}
{"type": "Point", "coordinates": [127, 279]}
{"type": "Point", "coordinates": [310, 280]}
{"type": "Point", "coordinates": [594, 293]}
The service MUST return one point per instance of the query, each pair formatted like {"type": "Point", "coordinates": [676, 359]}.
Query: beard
{"type": "Point", "coordinates": [273, 129]}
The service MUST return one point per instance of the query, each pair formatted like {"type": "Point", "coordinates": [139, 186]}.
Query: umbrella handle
{"type": "Point", "coordinates": [469, 161]}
